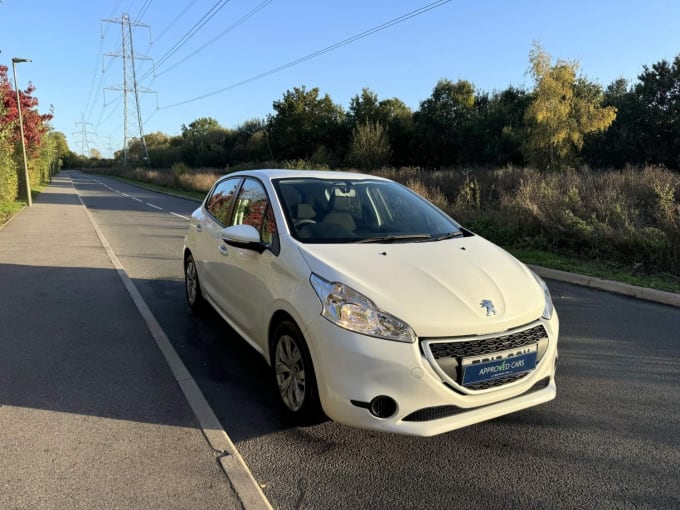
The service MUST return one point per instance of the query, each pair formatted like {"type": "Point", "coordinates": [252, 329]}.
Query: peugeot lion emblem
{"type": "Point", "coordinates": [490, 309]}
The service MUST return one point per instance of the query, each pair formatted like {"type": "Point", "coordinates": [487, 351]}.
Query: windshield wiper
{"type": "Point", "coordinates": [395, 237]}
{"type": "Point", "coordinates": [450, 235]}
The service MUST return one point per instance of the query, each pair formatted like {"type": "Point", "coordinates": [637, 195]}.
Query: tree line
{"type": "Point", "coordinates": [566, 120]}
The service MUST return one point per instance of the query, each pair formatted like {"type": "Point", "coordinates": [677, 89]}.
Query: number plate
{"type": "Point", "coordinates": [499, 364]}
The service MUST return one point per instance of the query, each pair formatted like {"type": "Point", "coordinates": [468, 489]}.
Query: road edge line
{"type": "Point", "coordinates": [241, 478]}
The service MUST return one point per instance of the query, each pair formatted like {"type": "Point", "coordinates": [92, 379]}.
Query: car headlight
{"type": "Point", "coordinates": [548, 310]}
{"type": "Point", "coordinates": [351, 310]}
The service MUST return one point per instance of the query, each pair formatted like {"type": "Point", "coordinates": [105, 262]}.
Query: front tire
{"type": "Point", "coordinates": [192, 285]}
{"type": "Point", "coordinates": [294, 374]}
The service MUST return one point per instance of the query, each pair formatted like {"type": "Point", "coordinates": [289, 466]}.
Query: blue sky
{"type": "Point", "coordinates": [484, 42]}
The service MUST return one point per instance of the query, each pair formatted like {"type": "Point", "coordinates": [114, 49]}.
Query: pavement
{"type": "Point", "coordinates": [93, 412]}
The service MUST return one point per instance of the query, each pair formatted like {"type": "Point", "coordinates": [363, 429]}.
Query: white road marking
{"type": "Point", "coordinates": [154, 206]}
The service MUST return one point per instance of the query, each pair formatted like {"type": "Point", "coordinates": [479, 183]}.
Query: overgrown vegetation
{"type": "Point", "coordinates": [631, 217]}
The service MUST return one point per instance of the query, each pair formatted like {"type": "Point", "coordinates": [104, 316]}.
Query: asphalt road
{"type": "Point", "coordinates": [611, 439]}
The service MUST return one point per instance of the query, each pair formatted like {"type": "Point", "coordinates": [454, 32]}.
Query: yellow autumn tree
{"type": "Point", "coordinates": [565, 108]}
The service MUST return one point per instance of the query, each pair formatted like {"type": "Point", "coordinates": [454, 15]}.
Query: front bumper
{"type": "Point", "coordinates": [353, 369]}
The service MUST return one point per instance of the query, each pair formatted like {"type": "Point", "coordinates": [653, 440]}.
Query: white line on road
{"type": "Point", "coordinates": [154, 206]}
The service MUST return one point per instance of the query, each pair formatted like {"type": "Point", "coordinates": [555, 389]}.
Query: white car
{"type": "Point", "coordinates": [369, 303]}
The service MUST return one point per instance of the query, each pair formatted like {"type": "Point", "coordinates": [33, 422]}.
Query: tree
{"type": "Point", "coordinates": [370, 146]}
{"type": "Point", "coordinates": [364, 108]}
{"type": "Point", "coordinates": [203, 143]}
{"type": "Point", "coordinates": [658, 95]}
{"type": "Point", "coordinates": [621, 144]}
{"type": "Point", "coordinates": [35, 124]}
{"type": "Point", "coordinates": [307, 126]}
{"type": "Point", "coordinates": [564, 109]}
{"type": "Point", "coordinates": [395, 119]}
{"type": "Point", "coordinates": [440, 122]}
{"type": "Point", "coordinates": [60, 144]}
{"type": "Point", "coordinates": [251, 142]}
{"type": "Point", "coordinates": [200, 127]}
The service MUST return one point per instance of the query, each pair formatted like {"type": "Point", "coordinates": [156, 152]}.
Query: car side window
{"type": "Point", "coordinates": [219, 203]}
{"type": "Point", "coordinates": [253, 208]}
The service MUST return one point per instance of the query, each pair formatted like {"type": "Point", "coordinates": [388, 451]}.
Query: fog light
{"type": "Point", "coordinates": [382, 406]}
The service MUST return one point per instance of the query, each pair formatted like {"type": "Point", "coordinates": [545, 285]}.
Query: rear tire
{"type": "Point", "coordinates": [192, 285]}
{"type": "Point", "coordinates": [294, 374]}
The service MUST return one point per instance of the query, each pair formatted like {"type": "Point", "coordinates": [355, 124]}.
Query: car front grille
{"type": "Point", "coordinates": [447, 354]}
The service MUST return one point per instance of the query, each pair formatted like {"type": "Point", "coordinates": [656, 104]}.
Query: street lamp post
{"type": "Point", "coordinates": [16, 61]}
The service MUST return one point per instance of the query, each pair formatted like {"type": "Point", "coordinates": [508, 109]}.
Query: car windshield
{"type": "Point", "coordinates": [360, 211]}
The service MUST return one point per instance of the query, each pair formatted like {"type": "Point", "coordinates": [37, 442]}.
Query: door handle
{"type": "Point", "coordinates": [198, 227]}
{"type": "Point", "coordinates": [223, 249]}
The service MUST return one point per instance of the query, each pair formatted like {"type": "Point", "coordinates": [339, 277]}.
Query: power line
{"type": "Point", "coordinates": [300, 60]}
{"type": "Point", "coordinates": [90, 103]}
{"type": "Point", "coordinates": [231, 27]}
{"type": "Point", "coordinates": [217, 6]}
{"type": "Point", "coordinates": [143, 10]}
{"type": "Point", "coordinates": [101, 119]}
{"type": "Point", "coordinates": [174, 21]}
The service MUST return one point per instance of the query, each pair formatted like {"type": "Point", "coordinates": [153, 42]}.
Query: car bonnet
{"type": "Point", "coordinates": [437, 287]}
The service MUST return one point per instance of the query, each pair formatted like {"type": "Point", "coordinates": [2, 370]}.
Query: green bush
{"type": "Point", "coordinates": [9, 181]}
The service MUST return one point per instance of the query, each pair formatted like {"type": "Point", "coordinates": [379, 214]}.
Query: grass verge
{"type": "Point", "coordinates": [10, 209]}
{"type": "Point", "coordinates": [194, 195]}
{"type": "Point", "coordinates": [599, 269]}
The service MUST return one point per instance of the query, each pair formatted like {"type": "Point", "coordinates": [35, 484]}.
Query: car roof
{"type": "Point", "coordinates": [270, 174]}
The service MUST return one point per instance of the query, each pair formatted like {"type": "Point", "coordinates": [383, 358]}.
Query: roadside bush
{"type": "Point", "coordinates": [198, 180]}
{"type": "Point", "coordinates": [178, 170]}
{"type": "Point", "coordinates": [9, 180]}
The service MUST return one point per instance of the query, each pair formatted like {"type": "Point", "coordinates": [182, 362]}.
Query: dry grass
{"type": "Point", "coordinates": [630, 216]}
{"type": "Point", "coordinates": [179, 176]}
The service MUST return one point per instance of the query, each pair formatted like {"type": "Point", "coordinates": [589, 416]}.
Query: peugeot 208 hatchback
{"type": "Point", "coordinates": [369, 303]}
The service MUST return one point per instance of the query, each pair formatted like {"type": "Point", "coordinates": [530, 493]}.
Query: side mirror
{"type": "Point", "coordinates": [243, 236]}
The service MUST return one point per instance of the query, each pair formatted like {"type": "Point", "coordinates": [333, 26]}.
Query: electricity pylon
{"type": "Point", "coordinates": [130, 85]}
{"type": "Point", "coordinates": [82, 134]}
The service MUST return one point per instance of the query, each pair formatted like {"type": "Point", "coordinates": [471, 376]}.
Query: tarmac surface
{"type": "Point", "coordinates": [90, 413]}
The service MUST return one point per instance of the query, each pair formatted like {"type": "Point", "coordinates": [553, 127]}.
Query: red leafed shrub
{"type": "Point", "coordinates": [35, 124]}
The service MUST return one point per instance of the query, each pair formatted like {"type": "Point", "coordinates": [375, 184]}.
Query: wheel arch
{"type": "Point", "coordinates": [185, 254]}
{"type": "Point", "coordinates": [277, 318]}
